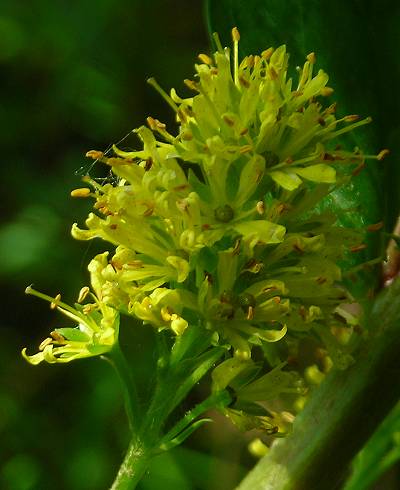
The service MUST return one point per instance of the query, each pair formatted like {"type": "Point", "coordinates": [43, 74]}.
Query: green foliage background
{"type": "Point", "coordinates": [73, 79]}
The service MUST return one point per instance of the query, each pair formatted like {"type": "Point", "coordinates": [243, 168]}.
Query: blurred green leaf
{"type": "Point", "coordinates": [380, 453]}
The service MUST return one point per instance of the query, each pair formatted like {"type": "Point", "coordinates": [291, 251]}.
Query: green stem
{"type": "Point", "coordinates": [117, 359]}
{"type": "Point", "coordinates": [133, 467]}
{"type": "Point", "coordinates": [341, 414]}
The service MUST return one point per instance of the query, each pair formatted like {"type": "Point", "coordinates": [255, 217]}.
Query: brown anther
{"type": "Point", "coordinates": [88, 309]}
{"type": "Point", "coordinates": [205, 59]}
{"type": "Point", "coordinates": [358, 169]}
{"type": "Point", "coordinates": [209, 277]}
{"type": "Point", "coordinates": [116, 264]}
{"type": "Point", "coordinates": [82, 192]}
{"type": "Point", "coordinates": [45, 343]}
{"type": "Point", "coordinates": [245, 149]}
{"type": "Point", "coordinates": [214, 71]}
{"type": "Point", "coordinates": [244, 131]}
{"type": "Point", "coordinates": [375, 226]}
{"type": "Point", "coordinates": [297, 93]}
{"type": "Point", "coordinates": [250, 313]}
{"type": "Point", "coordinates": [272, 73]}
{"type": "Point", "coordinates": [181, 187]}
{"type": "Point", "coordinates": [267, 53]}
{"type": "Point", "coordinates": [292, 360]}
{"type": "Point", "coordinates": [276, 299]}
{"type": "Point", "coordinates": [186, 136]}
{"type": "Point", "coordinates": [331, 109]}
{"type": "Point", "coordinates": [281, 208]}
{"type": "Point", "coordinates": [54, 303]}
{"type": "Point", "coordinates": [191, 84]}
{"type": "Point", "coordinates": [82, 294]}
{"type": "Point", "coordinates": [297, 248]}
{"type": "Point", "coordinates": [149, 211]}
{"type": "Point", "coordinates": [326, 91]}
{"type": "Point", "coordinates": [250, 61]}
{"type": "Point", "coordinates": [236, 247]}
{"type": "Point", "coordinates": [151, 123]}
{"type": "Point", "coordinates": [57, 336]}
{"type": "Point", "coordinates": [321, 280]}
{"type": "Point", "coordinates": [136, 264]}
{"type": "Point", "coordinates": [230, 122]}
{"type": "Point", "coordinates": [321, 121]}
{"type": "Point", "coordinates": [113, 226]}
{"type": "Point", "coordinates": [352, 118]}
{"type": "Point", "coordinates": [95, 154]}
{"type": "Point", "coordinates": [235, 34]}
{"type": "Point", "coordinates": [302, 312]}
{"type": "Point", "coordinates": [382, 154]}
{"type": "Point", "coordinates": [358, 248]}
{"type": "Point", "coordinates": [289, 160]}
{"type": "Point", "coordinates": [244, 83]}
{"type": "Point", "coordinates": [205, 227]}
{"type": "Point", "coordinates": [260, 207]}
{"type": "Point", "coordinates": [328, 157]}
{"type": "Point", "coordinates": [311, 58]}
{"type": "Point", "coordinates": [148, 164]}
{"type": "Point", "coordinates": [181, 116]}
{"type": "Point", "coordinates": [182, 205]}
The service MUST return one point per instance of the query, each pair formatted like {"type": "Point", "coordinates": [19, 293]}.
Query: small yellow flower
{"type": "Point", "coordinates": [96, 330]}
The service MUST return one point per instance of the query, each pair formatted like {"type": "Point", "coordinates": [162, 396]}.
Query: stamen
{"type": "Point", "coordinates": [33, 292]}
{"type": "Point", "coordinates": [152, 81]}
{"type": "Point", "coordinates": [236, 39]}
{"type": "Point", "coordinates": [217, 42]}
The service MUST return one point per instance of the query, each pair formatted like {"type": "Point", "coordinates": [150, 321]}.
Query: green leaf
{"type": "Point", "coordinates": [380, 453]}
{"type": "Point", "coordinates": [182, 436]}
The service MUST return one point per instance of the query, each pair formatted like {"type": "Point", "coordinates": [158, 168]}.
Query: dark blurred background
{"type": "Point", "coordinates": [73, 78]}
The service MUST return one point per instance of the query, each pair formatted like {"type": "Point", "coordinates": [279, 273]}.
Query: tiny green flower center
{"type": "Point", "coordinates": [224, 214]}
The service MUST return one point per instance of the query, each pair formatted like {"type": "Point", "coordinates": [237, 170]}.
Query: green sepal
{"type": "Point", "coordinates": [73, 334]}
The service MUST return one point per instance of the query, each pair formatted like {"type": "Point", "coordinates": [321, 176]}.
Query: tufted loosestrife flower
{"type": "Point", "coordinates": [220, 227]}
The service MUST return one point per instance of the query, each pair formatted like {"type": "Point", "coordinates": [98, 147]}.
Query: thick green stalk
{"type": "Point", "coordinates": [341, 414]}
{"type": "Point", "coordinates": [133, 467]}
